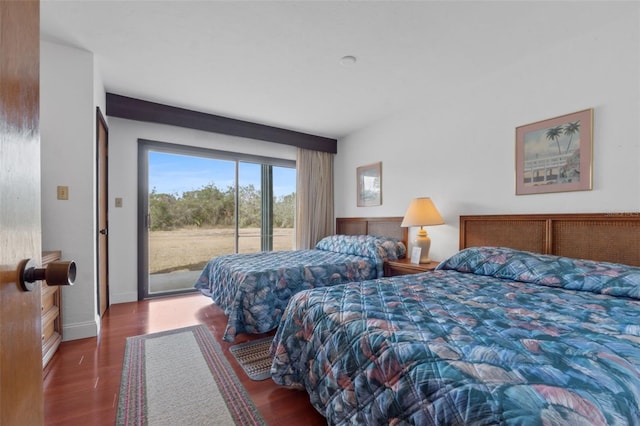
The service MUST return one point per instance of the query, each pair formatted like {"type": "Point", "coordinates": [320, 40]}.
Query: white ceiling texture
{"type": "Point", "coordinates": [280, 63]}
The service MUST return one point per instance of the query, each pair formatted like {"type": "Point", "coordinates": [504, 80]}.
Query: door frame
{"type": "Point", "coordinates": [102, 212]}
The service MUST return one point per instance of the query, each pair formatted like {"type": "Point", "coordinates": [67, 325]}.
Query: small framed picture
{"type": "Point", "coordinates": [369, 183]}
{"type": "Point", "coordinates": [415, 255]}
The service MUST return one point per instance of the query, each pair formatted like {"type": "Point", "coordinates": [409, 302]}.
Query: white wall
{"type": "Point", "coordinates": [458, 145]}
{"type": "Point", "coordinates": [69, 92]}
{"type": "Point", "coordinates": [123, 183]}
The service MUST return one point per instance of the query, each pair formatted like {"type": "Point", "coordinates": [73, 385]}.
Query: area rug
{"type": "Point", "coordinates": [254, 358]}
{"type": "Point", "coordinates": [181, 377]}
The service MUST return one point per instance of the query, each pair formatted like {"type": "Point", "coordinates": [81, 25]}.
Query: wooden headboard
{"type": "Point", "coordinates": [610, 237]}
{"type": "Point", "coordinates": [382, 226]}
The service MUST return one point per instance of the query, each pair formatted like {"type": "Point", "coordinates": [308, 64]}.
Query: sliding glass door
{"type": "Point", "coordinates": [196, 204]}
{"type": "Point", "coordinates": [284, 208]}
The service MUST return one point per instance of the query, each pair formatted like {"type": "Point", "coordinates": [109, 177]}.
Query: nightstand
{"type": "Point", "coordinates": [405, 267]}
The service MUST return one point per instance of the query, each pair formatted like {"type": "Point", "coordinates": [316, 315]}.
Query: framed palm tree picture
{"type": "Point", "coordinates": [555, 155]}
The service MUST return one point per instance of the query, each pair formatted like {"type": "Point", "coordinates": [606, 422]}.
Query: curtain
{"type": "Point", "coordinates": [314, 197]}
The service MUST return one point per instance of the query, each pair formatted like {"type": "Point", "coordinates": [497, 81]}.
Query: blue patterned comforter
{"type": "Point", "coordinates": [493, 336]}
{"type": "Point", "coordinates": [254, 288]}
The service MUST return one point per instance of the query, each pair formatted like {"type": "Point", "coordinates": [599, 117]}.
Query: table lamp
{"type": "Point", "coordinates": [422, 212]}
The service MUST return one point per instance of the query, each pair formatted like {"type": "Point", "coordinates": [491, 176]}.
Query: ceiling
{"type": "Point", "coordinates": [279, 62]}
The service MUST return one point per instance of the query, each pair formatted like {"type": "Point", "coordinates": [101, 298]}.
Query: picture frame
{"type": "Point", "coordinates": [369, 185]}
{"type": "Point", "coordinates": [415, 255]}
{"type": "Point", "coordinates": [555, 155]}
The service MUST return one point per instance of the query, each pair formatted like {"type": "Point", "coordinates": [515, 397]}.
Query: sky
{"type": "Point", "coordinates": [172, 173]}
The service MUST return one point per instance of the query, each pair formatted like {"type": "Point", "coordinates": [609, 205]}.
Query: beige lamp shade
{"type": "Point", "coordinates": [422, 212]}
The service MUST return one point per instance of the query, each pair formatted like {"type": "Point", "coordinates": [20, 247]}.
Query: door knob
{"type": "Point", "coordinates": [104, 231]}
{"type": "Point", "coordinates": [55, 273]}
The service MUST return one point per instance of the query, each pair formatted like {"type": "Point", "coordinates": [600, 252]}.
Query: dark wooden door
{"type": "Point", "coordinates": [21, 400]}
{"type": "Point", "coordinates": [102, 138]}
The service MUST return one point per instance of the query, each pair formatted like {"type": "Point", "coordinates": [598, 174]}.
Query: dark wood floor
{"type": "Point", "coordinates": [82, 381]}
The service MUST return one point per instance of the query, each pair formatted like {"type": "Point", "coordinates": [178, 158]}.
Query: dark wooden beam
{"type": "Point", "coordinates": [140, 110]}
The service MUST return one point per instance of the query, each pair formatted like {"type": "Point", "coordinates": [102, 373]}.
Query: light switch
{"type": "Point", "coordinates": [63, 192]}
{"type": "Point", "coordinates": [118, 201]}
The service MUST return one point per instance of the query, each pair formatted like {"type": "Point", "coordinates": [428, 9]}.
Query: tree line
{"type": "Point", "coordinates": [211, 207]}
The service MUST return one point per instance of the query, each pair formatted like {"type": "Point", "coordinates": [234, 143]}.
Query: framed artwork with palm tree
{"type": "Point", "coordinates": [555, 155]}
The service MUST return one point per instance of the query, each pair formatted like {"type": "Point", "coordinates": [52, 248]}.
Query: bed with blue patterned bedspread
{"type": "Point", "coordinates": [253, 288]}
{"type": "Point", "coordinates": [493, 336]}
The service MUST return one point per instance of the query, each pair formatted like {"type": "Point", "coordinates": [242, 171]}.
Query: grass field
{"type": "Point", "coordinates": [190, 249]}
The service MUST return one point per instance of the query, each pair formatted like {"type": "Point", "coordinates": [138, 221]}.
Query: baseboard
{"type": "Point", "coordinates": [80, 330]}
{"type": "Point", "coordinates": [123, 297]}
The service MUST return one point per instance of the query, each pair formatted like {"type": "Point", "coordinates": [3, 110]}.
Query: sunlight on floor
{"type": "Point", "coordinates": [166, 314]}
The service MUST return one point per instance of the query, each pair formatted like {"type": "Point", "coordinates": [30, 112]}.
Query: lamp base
{"type": "Point", "coordinates": [423, 241]}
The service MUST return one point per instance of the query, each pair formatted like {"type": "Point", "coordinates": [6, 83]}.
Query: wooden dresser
{"type": "Point", "coordinates": [51, 312]}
